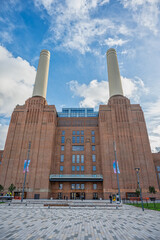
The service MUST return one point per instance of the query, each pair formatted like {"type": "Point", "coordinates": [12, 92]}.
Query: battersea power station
{"type": "Point", "coordinates": [72, 153]}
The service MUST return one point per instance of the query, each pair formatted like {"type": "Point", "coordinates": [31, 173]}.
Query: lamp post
{"type": "Point", "coordinates": [114, 145]}
{"type": "Point", "coordinates": [29, 147]}
{"type": "Point", "coordinates": [137, 171]}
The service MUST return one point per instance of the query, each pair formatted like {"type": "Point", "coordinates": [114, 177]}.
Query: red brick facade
{"type": "Point", "coordinates": [38, 122]}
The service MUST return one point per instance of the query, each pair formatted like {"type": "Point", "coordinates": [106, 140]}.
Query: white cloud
{"type": "Point", "coordinates": [103, 2]}
{"type": "Point", "coordinates": [96, 93]}
{"type": "Point", "coordinates": [17, 79]}
{"type": "Point", "coordinates": [3, 134]}
{"type": "Point", "coordinates": [152, 113]}
{"type": "Point", "coordinates": [74, 26]}
{"type": "Point", "coordinates": [145, 12]}
{"type": "Point", "coordinates": [115, 42]}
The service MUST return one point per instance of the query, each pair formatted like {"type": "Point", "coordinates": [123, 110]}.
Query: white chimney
{"type": "Point", "coordinates": [115, 85]}
{"type": "Point", "coordinates": [40, 87]}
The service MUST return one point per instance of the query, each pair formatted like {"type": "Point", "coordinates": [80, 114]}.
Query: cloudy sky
{"type": "Point", "coordinates": [78, 33]}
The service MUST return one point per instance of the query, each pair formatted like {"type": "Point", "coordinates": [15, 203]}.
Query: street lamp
{"type": "Point", "coordinates": [137, 171]}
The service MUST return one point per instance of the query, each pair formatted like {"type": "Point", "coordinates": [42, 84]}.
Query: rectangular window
{"type": "Point", "coordinates": [73, 139]}
{"type": "Point", "coordinates": [78, 139]}
{"type": "Point", "coordinates": [77, 158]}
{"type": "Point", "coordinates": [63, 132]}
{"type": "Point", "coordinates": [82, 158]}
{"type": "Point", "coordinates": [94, 158]}
{"type": "Point", "coordinates": [94, 168]}
{"type": "Point", "coordinates": [77, 186]}
{"type": "Point", "coordinates": [73, 168]}
{"type": "Point", "coordinates": [61, 168]}
{"type": "Point", "coordinates": [93, 139]}
{"type": "Point", "coordinates": [73, 133]}
{"type": "Point", "coordinates": [73, 158]}
{"type": "Point", "coordinates": [93, 148]}
{"type": "Point", "coordinates": [62, 158]}
{"type": "Point", "coordinates": [82, 132]}
{"type": "Point", "coordinates": [82, 139]}
{"type": "Point", "coordinates": [77, 168]}
{"type": "Point", "coordinates": [77, 132]}
{"type": "Point", "coordinates": [94, 186]}
{"type": "Point", "coordinates": [62, 139]}
{"type": "Point", "coordinates": [92, 132]}
{"type": "Point", "coordinates": [159, 175]}
{"type": "Point", "coordinates": [77, 148]}
{"type": "Point", "coordinates": [82, 168]}
{"type": "Point", "coordinates": [82, 186]}
{"type": "Point", "coordinates": [60, 186]}
{"type": "Point", "coordinates": [72, 186]}
{"type": "Point", "coordinates": [62, 148]}
{"type": "Point", "coordinates": [158, 168]}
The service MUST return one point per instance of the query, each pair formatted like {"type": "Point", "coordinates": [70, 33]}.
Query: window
{"type": "Point", "coordinates": [77, 132]}
{"type": "Point", "coordinates": [82, 158]}
{"type": "Point", "coordinates": [94, 158]}
{"type": "Point", "coordinates": [158, 168]}
{"type": "Point", "coordinates": [59, 195]}
{"type": "Point", "coordinates": [73, 133]}
{"type": "Point", "coordinates": [73, 139]}
{"type": "Point", "coordinates": [82, 186]}
{"type": "Point", "coordinates": [93, 139]}
{"type": "Point", "coordinates": [159, 175]}
{"type": "Point", "coordinates": [94, 186]}
{"type": "Point", "coordinates": [73, 158]}
{"type": "Point", "coordinates": [82, 168]}
{"type": "Point", "coordinates": [63, 132]}
{"type": "Point", "coordinates": [77, 168]}
{"type": "Point", "coordinates": [94, 168]}
{"type": "Point", "coordinates": [93, 148]}
{"type": "Point", "coordinates": [60, 186]}
{"type": "Point", "coordinates": [73, 186]}
{"type": "Point", "coordinates": [61, 168]}
{"type": "Point", "coordinates": [77, 148]}
{"type": "Point", "coordinates": [77, 186]}
{"type": "Point", "coordinates": [78, 139]}
{"type": "Point", "coordinates": [73, 168]}
{"type": "Point", "coordinates": [62, 148]}
{"type": "Point", "coordinates": [82, 139]}
{"type": "Point", "coordinates": [62, 158]}
{"type": "Point", "coordinates": [82, 132]}
{"type": "Point", "coordinates": [77, 158]}
{"type": "Point", "coordinates": [62, 139]}
{"type": "Point", "coordinates": [92, 132]}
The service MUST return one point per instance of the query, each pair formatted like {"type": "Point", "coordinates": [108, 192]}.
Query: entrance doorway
{"type": "Point", "coordinates": [77, 195]}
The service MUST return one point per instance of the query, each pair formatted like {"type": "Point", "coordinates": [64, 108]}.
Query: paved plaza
{"type": "Point", "coordinates": [63, 223]}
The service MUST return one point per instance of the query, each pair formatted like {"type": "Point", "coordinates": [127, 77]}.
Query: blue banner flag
{"type": "Point", "coordinates": [114, 167]}
{"type": "Point", "coordinates": [26, 165]}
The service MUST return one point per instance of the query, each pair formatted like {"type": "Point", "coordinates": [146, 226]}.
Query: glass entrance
{"type": "Point", "coordinates": [77, 195]}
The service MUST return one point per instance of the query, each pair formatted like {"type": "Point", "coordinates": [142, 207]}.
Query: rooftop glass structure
{"type": "Point", "coordinates": [77, 112]}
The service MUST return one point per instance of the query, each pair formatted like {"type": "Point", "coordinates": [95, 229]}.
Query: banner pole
{"type": "Point", "coordinates": [29, 147]}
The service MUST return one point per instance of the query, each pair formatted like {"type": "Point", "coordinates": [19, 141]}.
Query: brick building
{"type": "Point", "coordinates": [72, 151]}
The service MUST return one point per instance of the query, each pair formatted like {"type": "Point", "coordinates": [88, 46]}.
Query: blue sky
{"type": "Point", "coordinates": [78, 33]}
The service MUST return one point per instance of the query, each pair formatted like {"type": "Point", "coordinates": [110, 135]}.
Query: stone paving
{"type": "Point", "coordinates": [63, 223]}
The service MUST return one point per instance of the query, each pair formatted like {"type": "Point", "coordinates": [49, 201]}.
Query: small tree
{"type": "Point", "coordinates": [152, 189]}
{"type": "Point", "coordinates": [1, 188]}
{"type": "Point", "coordinates": [11, 188]}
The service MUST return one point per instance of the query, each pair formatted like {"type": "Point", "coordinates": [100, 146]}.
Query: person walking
{"type": "Point", "coordinates": [110, 197]}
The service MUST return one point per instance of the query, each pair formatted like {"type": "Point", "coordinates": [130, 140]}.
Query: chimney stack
{"type": "Point", "coordinates": [115, 85]}
{"type": "Point", "coordinates": [40, 87]}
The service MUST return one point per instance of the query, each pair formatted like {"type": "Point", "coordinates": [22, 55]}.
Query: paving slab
{"type": "Point", "coordinates": [60, 223]}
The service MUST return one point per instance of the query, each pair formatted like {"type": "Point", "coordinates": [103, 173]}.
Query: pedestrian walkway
{"type": "Point", "coordinates": [64, 223]}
